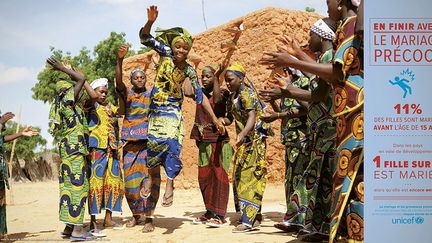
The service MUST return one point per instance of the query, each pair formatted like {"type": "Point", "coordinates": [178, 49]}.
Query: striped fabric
{"type": "Point", "coordinates": [135, 124]}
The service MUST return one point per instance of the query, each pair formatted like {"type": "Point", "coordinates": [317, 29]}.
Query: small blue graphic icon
{"type": "Point", "coordinates": [403, 80]}
{"type": "Point", "coordinates": [419, 220]}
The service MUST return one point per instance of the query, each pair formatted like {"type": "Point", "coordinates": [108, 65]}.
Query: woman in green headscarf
{"type": "Point", "coordinates": [166, 130]}
{"type": "Point", "coordinates": [67, 117]}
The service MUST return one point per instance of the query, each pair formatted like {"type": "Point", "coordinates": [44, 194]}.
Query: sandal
{"type": "Point", "coordinates": [168, 201]}
{"type": "Point", "coordinates": [287, 227]}
{"type": "Point", "coordinates": [85, 237]}
{"type": "Point", "coordinates": [97, 233]}
{"type": "Point", "coordinates": [200, 220]}
{"type": "Point", "coordinates": [216, 222]}
{"type": "Point", "coordinates": [242, 228]}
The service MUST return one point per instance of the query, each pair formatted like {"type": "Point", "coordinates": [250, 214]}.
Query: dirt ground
{"type": "Point", "coordinates": [33, 217]}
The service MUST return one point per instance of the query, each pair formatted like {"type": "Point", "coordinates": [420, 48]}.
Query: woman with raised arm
{"type": "Point", "coordinates": [166, 128]}
{"type": "Point", "coordinates": [67, 115]}
{"type": "Point", "coordinates": [141, 184]}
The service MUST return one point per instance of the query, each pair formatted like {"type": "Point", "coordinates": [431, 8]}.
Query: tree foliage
{"type": "Point", "coordinates": [100, 63]}
{"type": "Point", "coordinates": [25, 146]}
{"type": "Point", "coordinates": [310, 9]}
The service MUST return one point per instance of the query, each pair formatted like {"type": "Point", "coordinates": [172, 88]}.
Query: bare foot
{"type": "Point", "coordinates": [78, 231]}
{"type": "Point", "coordinates": [132, 222]}
{"type": "Point", "coordinates": [108, 222]}
{"type": "Point", "coordinates": [111, 224]}
{"type": "Point", "coordinates": [148, 226]}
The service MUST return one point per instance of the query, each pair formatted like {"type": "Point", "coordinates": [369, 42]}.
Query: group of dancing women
{"type": "Point", "coordinates": [318, 100]}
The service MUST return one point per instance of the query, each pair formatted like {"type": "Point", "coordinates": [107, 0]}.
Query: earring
{"type": "Point", "coordinates": [339, 8]}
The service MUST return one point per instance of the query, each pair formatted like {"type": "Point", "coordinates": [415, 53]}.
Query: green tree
{"type": "Point", "coordinates": [25, 146]}
{"type": "Point", "coordinates": [310, 9]}
{"type": "Point", "coordinates": [100, 64]}
{"type": "Point", "coordinates": [105, 60]}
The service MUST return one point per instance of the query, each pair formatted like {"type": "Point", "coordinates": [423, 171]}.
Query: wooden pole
{"type": "Point", "coordinates": [11, 197]}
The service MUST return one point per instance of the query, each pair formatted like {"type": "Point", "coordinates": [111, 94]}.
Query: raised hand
{"type": "Point", "coordinates": [122, 51]}
{"type": "Point", "coordinates": [29, 132]}
{"type": "Point", "coordinates": [6, 117]}
{"type": "Point", "coordinates": [290, 45]}
{"type": "Point", "coordinates": [56, 65]}
{"type": "Point", "coordinates": [283, 81]}
{"type": "Point", "coordinates": [152, 13]}
{"type": "Point", "coordinates": [277, 59]}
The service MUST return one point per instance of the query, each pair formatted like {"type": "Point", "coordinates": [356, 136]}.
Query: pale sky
{"type": "Point", "coordinates": [28, 28]}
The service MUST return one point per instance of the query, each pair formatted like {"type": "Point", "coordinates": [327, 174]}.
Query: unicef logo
{"type": "Point", "coordinates": [419, 220]}
{"type": "Point", "coordinates": [410, 220]}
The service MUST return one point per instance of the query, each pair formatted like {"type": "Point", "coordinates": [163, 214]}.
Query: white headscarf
{"type": "Point", "coordinates": [323, 30]}
{"type": "Point", "coordinates": [100, 82]}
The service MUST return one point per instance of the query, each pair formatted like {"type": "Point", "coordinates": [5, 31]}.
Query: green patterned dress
{"type": "Point", "coordinates": [310, 202]}
{"type": "Point", "coordinates": [73, 180]}
{"type": "Point", "coordinates": [250, 166]}
{"type": "Point", "coordinates": [294, 137]}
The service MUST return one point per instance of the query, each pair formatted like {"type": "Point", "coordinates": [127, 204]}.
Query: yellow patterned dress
{"type": "Point", "coordinates": [106, 179]}
{"type": "Point", "coordinates": [250, 166]}
{"type": "Point", "coordinates": [166, 128]}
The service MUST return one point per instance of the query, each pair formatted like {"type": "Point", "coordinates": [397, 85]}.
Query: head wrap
{"type": "Point", "coordinates": [100, 82]}
{"type": "Point", "coordinates": [170, 36]}
{"type": "Point", "coordinates": [323, 30]}
{"type": "Point", "coordinates": [240, 72]}
{"type": "Point", "coordinates": [356, 3]}
{"type": "Point", "coordinates": [237, 69]}
{"type": "Point", "coordinates": [136, 70]}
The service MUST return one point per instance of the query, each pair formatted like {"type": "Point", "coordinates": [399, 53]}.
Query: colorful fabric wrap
{"type": "Point", "coordinates": [171, 36]}
{"type": "Point", "coordinates": [54, 115]}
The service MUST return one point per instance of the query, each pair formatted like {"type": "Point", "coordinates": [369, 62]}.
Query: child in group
{"type": "Point", "coordinates": [141, 192]}
{"type": "Point", "coordinates": [250, 169]}
{"type": "Point", "coordinates": [4, 175]}
{"type": "Point", "coordinates": [106, 180]}
{"type": "Point", "coordinates": [166, 128]}
{"type": "Point", "coordinates": [215, 152]}
{"type": "Point", "coordinates": [67, 116]}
